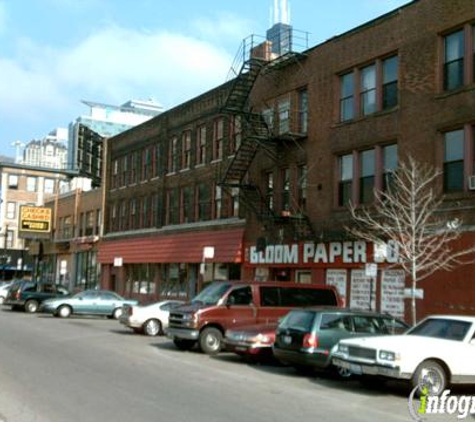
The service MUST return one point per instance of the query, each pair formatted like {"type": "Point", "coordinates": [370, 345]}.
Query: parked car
{"type": "Point", "coordinates": [226, 305]}
{"type": "Point", "coordinates": [435, 353]}
{"type": "Point", "coordinates": [251, 340]}
{"type": "Point", "coordinates": [29, 295]}
{"type": "Point", "coordinates": [88, 302]}
{"type": "Point", "coordinates": [150, 319]}
{"type": "Point", "coordinates": [4, 291]}
{"type": "Point", "coordinates": [307, 338]}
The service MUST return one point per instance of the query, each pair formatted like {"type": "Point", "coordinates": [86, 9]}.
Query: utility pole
{"type": "Point", "coordinates": [5, 239]}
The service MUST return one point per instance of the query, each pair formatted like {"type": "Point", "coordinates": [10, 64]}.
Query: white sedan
{"type": "Point", "coordinates": [435, 353]}
{"type": "Point", "coordinates": [4, 287]}
{"type": "Point", "coordinates": [150, 319]}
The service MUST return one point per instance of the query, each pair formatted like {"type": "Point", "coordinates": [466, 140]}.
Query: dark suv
{"type": "Point", "coordinates": [306, 338]}
{"type": "Point", "coordinates": [28, 295]}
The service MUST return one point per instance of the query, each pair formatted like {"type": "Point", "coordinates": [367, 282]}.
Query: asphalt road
{"type": "Point", "coordinates": [93, 369]}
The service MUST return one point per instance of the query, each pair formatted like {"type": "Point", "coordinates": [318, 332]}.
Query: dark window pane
{"type": "Point", "coordinates": [366, 189]}
{"type": "Point", "coordinates": [453, 74]}
{"type": "Point", "coordinates": [453, 176]}
{"type": "Point", "coordinates": [390, 94]}
{"type": "Point", "coordinates": [345, 193]}
{"type": "Point", "coordinates": [346, 109]}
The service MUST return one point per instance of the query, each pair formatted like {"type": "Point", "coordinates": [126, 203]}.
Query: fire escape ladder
{"type": "Point", "coordinates": [302, 227]}
{"type": "Point", "coordinates": [251, 197]}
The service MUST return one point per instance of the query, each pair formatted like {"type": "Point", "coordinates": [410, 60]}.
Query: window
{"type": "Point", "coordinates": [204, 202]}
{"type": "Point", "coordinates": [218, 139]}
{"type": "Point", "coordinates": [347, 97]}
{"type": "Point", "coordinates": [186, 150]}
{"type": "Point", "coordinates": [218, 202]}
{"type": "Point", "coordinates": [236, 134]}
{"type": "Point", "coordinates": [146, 163]}
{"type": "Point", "coordinates": [12, 181]}
{"type": "Point", "coordinates": [367, 169]}
{"type": "Point", "coordinates": [201, 145]}
{"type": "Point", "coordinates": [173, 155]}
{"type": "Point", "coordinates": [49, 186]}
{"type": "Point", "coordinates": [335, 322]}
{"type": "Point", "coordinates": [187, 204]}
{"type": "Point", "coordinates": [268, 116]}
{"type": "Point", "coordinates": [145, 213]}
{"type": "Point", "coordinates": [133, 214]}
{"type": "Point", "coordinates": [173, 207]}
{"type": "Point", "coordinates": [10, 238]}
{"type": "Point", "coordinates": [390, 161]}
{"type": "Point", "coordinates": [368, 90]}
{"type": "Point", "coordinates": [283, 110]}
{"type": "Point", "coordinates": [303, 111]}
{"type": "Point", "coordinates": [270, 190]}
{"type": "Point", "coordinates": [235, 202]}
{"type": "Point", "coordinates": [454, 60]}
{"type": "Point", "coordinates": [31, 184]}
{"type": "Point", "coordinates": [11, 210]}
{"type": "Point", "coordinates": [156, 160]}
{"type": "Point", "coordinates": [115, 171]}
{"type": "Point", "coordinates": [89, 223]}
{"type": "Point", "coordinates": [346, 179]}
{"type": "Point", "coordinates": [454, 161]}
{"type": "Point", "coordinates": [240, 296]}
{"type": "Point", "coordinates": [390, 78]}
{"type": "Point", "coordinates": [285, 180]}
{"type": "Point", "coordinates": [124, 170]}
{"type": "Point", "coordinates": [302, 188]}
{"type": "Point", "coordinates": [98, 221]}
{"type": "Point", "coordinates": [133, 167]}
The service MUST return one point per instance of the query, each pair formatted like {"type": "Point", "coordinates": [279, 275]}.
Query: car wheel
{"type": "Point", "coordinates": [152, 327]}
{"type": "Point", "coordinates": [432, 375]}
{"type": "Point", "coordinates": [64, 311]}
{"type": "Point", "coordinates": [342, 373]}
{"type": "Point", "coordinates": [117, 313]}
{"type": "Point", "coordinates": [183, 344]}
{"type": "Point", "coordinates": [31, 306]}
{"type": "Point", "coordinates": [211, 341]}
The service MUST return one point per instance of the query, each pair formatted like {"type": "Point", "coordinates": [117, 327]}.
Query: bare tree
{"type": "Point", "coordinates": [408, 214]}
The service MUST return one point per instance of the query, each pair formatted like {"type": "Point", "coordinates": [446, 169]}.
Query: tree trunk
{"type": "Point", "coordinates": [413, 296]}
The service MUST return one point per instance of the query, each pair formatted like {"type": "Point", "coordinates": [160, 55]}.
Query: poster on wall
{"type": "Point", "coordinates": [338, 278]}
{"type": "Point", "coordinates": [392, 292]}
{"type": "Point", "coordinates": [362, 288]}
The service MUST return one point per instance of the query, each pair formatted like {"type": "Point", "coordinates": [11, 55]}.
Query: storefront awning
{"type": "Point", "coordinates": [184, 247]}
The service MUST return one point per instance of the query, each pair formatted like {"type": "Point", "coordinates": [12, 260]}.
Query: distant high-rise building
{"type": "Point", "coordinates": [280, 34]}
{"type": "Point", "coordinates": [103, 121]}
{"type": "Point", "coordinates": [49, 152]}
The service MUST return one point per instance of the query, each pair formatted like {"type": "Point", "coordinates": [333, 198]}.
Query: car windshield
{"type": "Point", "coordinates": [211, 294]}
{"type": "Point", "coordinates": [448, 329]}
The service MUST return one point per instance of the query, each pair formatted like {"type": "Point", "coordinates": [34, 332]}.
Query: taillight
{"type": "Point", "coordinates": [17, 294]}
{"type": "Point", "coordinates": [310, 340]}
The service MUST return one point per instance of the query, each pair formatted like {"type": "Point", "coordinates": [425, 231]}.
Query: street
{"type": "Point", "coordinates": [93, 369]}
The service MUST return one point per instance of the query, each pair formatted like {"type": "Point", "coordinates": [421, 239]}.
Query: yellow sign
{"type": "Point", "coordinates": [35, 219]}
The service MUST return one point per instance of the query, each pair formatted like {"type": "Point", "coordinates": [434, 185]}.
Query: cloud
{"type": "Point", "coordinates": [112, 66]}
{"type": "Point", "coordinates": [224, 25]}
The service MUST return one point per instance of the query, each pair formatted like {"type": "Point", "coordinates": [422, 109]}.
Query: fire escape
{"type": "Point", "coordinates": [255, 59]}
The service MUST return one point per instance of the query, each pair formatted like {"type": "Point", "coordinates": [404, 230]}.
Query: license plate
{"type": "Point", "coordinates": [287, 339]}
{"type": "Point", "coordinates": [355, 369]}
{"type": "Point", "coordinates": [241, 349]}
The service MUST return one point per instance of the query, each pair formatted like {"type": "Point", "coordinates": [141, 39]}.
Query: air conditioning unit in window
{"type": "Point", "coordinates": [471, 182]}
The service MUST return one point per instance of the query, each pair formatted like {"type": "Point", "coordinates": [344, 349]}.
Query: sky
{"type": "Point", "coordinates": [56, 53]}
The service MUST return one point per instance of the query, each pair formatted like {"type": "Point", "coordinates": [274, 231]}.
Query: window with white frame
{"type": "Point", "coordinates": [49, 186]}
{"type": "Point", "coordinates": [11, 210]}
{"type": "Point", "coordinates": [31, 183]}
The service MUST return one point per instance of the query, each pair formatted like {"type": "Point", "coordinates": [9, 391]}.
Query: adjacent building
{"type": "Point", "coordinates": [252, 179]}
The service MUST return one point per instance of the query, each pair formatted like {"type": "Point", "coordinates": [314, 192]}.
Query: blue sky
{"type": "Point", "coordinates": [55, 53]}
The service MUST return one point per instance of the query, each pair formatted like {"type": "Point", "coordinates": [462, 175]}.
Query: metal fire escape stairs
{"type": "Point", "coordinates": [255, 136]}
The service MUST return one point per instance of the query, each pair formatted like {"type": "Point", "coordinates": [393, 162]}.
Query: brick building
{"type": "Point", "coordinates": [292, 140]}
{"type": "Point", "coordinates": [164, 205]}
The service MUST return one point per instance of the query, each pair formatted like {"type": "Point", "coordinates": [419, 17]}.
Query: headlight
{"type": "Point", "coordinates": [189, 317]}
{"type": "Point", "coordinates": [343, 348]}
{"type": "Point", "coordinates": [261, 338]}
{"type": "Point", "coordinates": [389, 356]}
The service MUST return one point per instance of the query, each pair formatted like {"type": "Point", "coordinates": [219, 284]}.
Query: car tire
{"type": "Point", "coordinates": [64, 311]}
{"type": "Point", "coordinates": [342, 373]}
{"type": "Point", "coordinates": [117, 313]}
{"type": "Point", "coordinates": [183, 344]}
{"type": "Point", "coordinates": [31, 306]}
{"type": "Point", "coordinates": [152, 327]}
{"type": "Point", "coordinates": [211, 341]}
{"type": "Point", "coordinates": [432, 375]}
